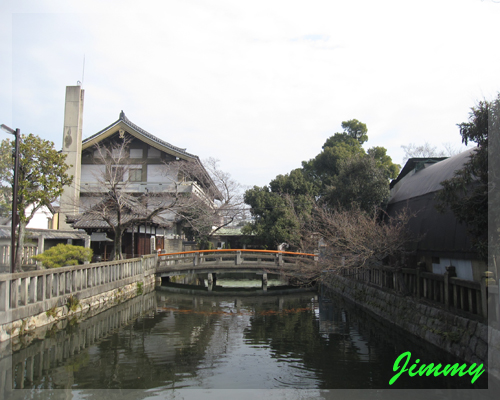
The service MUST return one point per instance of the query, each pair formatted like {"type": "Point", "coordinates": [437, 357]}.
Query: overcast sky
{"type": "Point", "coordinates": [259, 85]}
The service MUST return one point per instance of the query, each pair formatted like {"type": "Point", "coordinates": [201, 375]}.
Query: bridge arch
{"type": "Point", "coordinates": [212, 262]}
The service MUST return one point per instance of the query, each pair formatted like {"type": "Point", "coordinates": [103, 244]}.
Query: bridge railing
{"type": "Point", "coordinates": [24, 294]}
{"type": "Point", "coordinates": [471, 297]}
{"type": "Point", "coordinates": [231, 257]}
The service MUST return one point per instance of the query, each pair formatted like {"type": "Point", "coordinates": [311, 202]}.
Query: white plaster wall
{"type": "Point", "coordinates": [90, 172]}
{"type": "Point", "coordinates": [159, 173]}
{"type": "Point", "coordinates": [40, 220]}
{"type": "Point", "coordinates": [86, 203]}
{"type": "Point", "coordinates": [463, 268]}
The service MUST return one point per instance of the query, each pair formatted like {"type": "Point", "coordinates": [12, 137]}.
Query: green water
{"type": "Point", "coordinates": [213, 341]}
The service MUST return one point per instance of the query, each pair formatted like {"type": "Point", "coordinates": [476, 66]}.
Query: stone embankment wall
{"type": "Point", "coordinates": [465, 338]}
{"type": "Point", "coordinates": [39, 298]}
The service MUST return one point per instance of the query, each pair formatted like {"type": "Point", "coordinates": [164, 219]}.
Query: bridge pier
{"type": "Point", "coordinates": [264, 281]}
{"type": "Point", "coordinates": [212, 278]}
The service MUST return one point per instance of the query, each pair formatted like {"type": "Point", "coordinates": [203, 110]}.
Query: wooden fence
{"type": "Point", "coordinates": [471, 297]}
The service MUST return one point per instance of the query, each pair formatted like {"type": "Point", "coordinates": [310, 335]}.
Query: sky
{"type": "Point", "coordinates": [259, 85]}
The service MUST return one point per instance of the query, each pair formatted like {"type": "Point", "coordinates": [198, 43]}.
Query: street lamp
{"type": "Point", "coordinates": [17, 134]}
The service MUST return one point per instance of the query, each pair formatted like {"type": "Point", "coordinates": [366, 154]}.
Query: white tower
{"type": "Point", "coordinates": [72, 147]}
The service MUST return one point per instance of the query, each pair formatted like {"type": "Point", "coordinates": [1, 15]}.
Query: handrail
{"type": "Point", "coordinates": [68, 268]}
{"type": "Point", "coordinates": [26, 293]}
{"type": "Point", "coordinates": [472, 297]}
{"type": "Point", "coordinates": [233, 250]}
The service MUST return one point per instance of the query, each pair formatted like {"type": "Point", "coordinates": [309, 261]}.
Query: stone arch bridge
{"type": "Point", "coordinates": [213, 262]}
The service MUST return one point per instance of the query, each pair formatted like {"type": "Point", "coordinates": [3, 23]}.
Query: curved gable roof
{"type": "Point", "coordinates": [428, 179]}
{"type": "Point", "coordinates": [140, 134]}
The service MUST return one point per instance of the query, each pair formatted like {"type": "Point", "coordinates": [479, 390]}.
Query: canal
{"type": "Point", "coordinates": [182, 337]}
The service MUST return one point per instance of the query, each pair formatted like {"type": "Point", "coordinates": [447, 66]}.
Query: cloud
{"type": "Point", "coordinates": [259, 85]}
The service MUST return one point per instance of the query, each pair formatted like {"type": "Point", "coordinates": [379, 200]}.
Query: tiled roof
{"type": "Point", "coordinates": [138, 129]}
{"type": "Point", "coordinates": [94, 219]}
{"type": "Point", "coordinates": [161, 143]}
{"type": "Point", "coordinates": [428, 180]}
{"type": "Point", "coordinates": [47, 233]}
{"type": "Point", "coordinates": [90, 221]}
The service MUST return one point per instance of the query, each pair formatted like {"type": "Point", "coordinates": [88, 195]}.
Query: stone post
{"type": "Point", "coordinates": [264, 282]}
{"type": "Point", "coordinates": [4, 296]}
{"type": "Point", "coordinates": [418, 284]}
{"type": "Point", "coordinates": [196, 259]}
{"type": "Point", "coordinates": [238, 257]}
{"type": "Point", "coordinates": [486, 280]}
{"type": "Point", "coordinates": [450, 273]}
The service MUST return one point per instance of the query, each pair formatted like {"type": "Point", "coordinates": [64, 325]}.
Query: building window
{"type": "Point", "coordinates": [135, 153]}
{"type": "Point", "coordinates": [135, 175]}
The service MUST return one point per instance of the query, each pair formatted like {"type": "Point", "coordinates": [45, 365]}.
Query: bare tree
{"type": "Point", "coordinates": [114, 202]}
{"type": "Point", "coordinates": [353, 240]}
{"type": "Point", "coordinates": [424, 150]}
{"type": "Point", "coordinates": [221, 204]}
{"type": "Point", "coordinates": [427, 150]}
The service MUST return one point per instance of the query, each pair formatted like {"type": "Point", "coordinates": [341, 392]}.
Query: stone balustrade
{"type": "Point", "coordinates": [476, 298]}
{"type": "Point", "coordinates": [243, 257]}
{"type": "Point", "coordinates": [26, 294]}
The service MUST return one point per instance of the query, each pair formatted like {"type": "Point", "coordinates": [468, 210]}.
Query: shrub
{"type": "Point", "coordinates": [73, 303]}
{"type": "Point", "coordinates": [139, 288]}
{"type": "Point", "coordinates": [64, 254]}
{"type": "Point", "coordinates": [51, 312]}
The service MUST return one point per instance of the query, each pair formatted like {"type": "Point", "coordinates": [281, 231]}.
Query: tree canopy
{"type": "Point", "coordinates": [361, 183]}
{"type": "Point", "coordinates": [280, 209]}
{"type": "Point", "coordinates": [466, 194]}
{"type": "Point", "coordinates": [42, 176]}
{"type": "Point", "coordinates": [356, 130]}
{"type": "Point", "coordinates": [343, 175]}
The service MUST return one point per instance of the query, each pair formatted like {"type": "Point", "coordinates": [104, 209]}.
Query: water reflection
{"type": "Point", "coordinates": [168, 340]}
